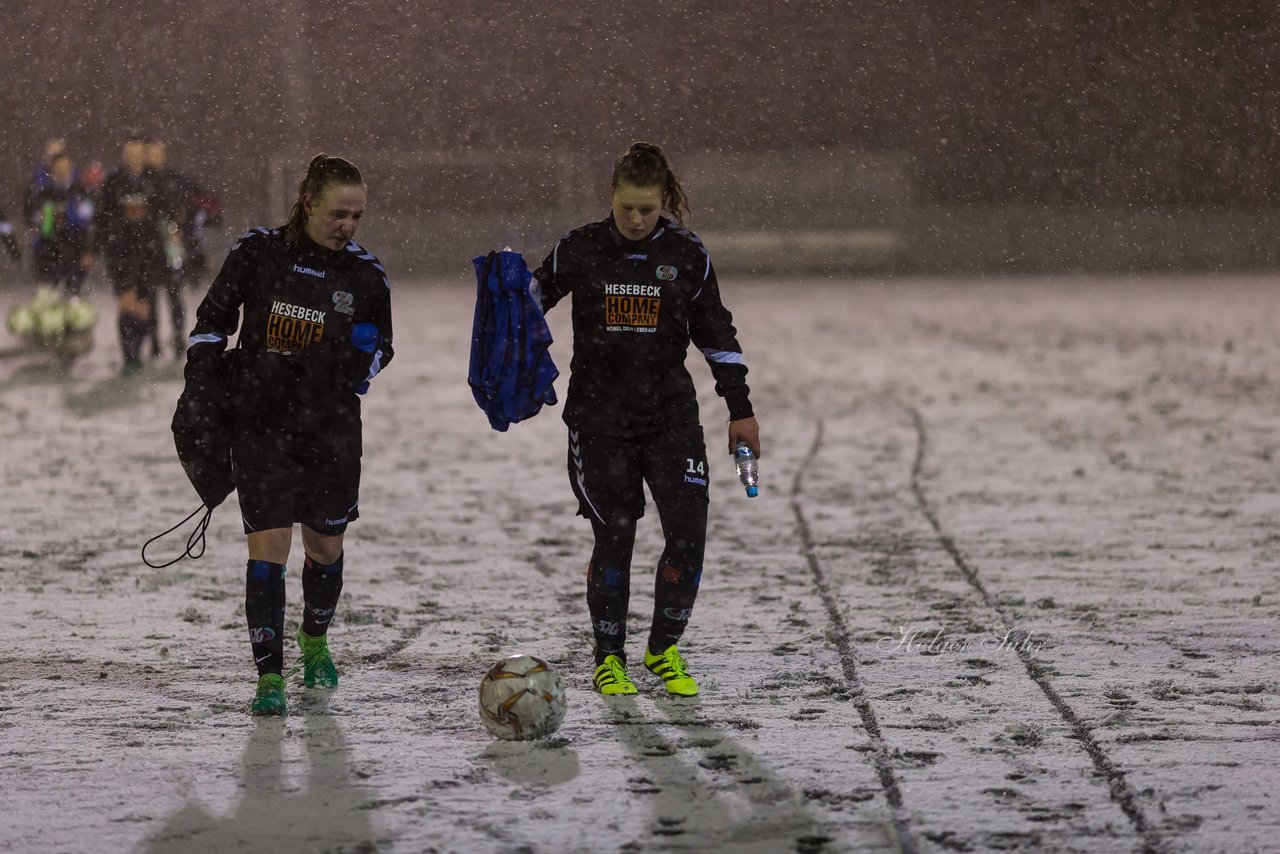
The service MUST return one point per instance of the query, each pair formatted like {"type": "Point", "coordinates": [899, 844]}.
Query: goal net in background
{"type": "Point", "coordinates": [430, 212]}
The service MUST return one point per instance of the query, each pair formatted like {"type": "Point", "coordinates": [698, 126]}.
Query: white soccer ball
{"type": "Point", "coordinates": [81, 315]}
{"type": "Point", "coordinates": [22, 321]}
{"type": "Point", "coordinates": [521, 697]}
{"type": "Point", "coordinates": [51, 321]}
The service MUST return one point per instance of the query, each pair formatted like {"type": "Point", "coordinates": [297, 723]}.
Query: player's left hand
{"type": "Point", "coordinates": [745, 430]}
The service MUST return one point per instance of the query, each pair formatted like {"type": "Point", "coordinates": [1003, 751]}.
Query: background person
{"type": "Point", "coordinates": [9, 238]}
{"type": "Point", "coordinates": [59, 214]}
{"type": "Point", "coordinates": [642, 288]}
{"type": "Point", "coordinates": [126, 232]}
{"type": "Point", "coordinates": [40, 175]}
{"type": "Point", "coordinates": [176, 212]}
{"type": "Point", "coordinates": [316, 328]}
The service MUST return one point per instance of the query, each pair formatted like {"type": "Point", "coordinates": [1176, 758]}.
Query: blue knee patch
{"type": "Point", "coordinates": [265, 570]}
{"type": "Point", "coordinates": [326, 568]}
{"type": "Point", "coordinates": [614, 577]}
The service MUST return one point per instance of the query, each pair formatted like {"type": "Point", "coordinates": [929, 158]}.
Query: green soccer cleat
{"type": "Point", "coordinates": [269, 698]}
{"type": "Point", "coordinates": [317, 664]}
{"type": "Point", "coordinates": [670, 667]}
{"type": "Point", "coordinates": [612, 678]}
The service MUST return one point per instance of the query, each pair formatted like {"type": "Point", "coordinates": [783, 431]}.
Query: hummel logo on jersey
{"type": "Point", "coordinates": [637, 256]}
{"type": "Point", "coordinates": [307, 271]}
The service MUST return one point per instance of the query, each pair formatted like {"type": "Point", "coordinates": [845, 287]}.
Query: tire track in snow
{"type": "Point", "coordinates": [407, 636]}
{"type": "Point", "coordinates": [848, 662]}
{"type": "Point", "coordinates": [1121, 790]}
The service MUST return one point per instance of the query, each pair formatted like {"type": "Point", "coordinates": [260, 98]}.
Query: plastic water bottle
{"type": "Point", "coordinates": [748, 468]}
{"type": "Point", "coordinates": [173, 248]}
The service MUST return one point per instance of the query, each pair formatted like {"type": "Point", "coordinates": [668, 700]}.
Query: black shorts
{"type": "Point", "coordinates": [608, 473]}
{"type": "Point", "coordinates": [278, 489]}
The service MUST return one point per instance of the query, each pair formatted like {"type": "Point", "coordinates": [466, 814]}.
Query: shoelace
{"type": "Point", "coordinates": [316, 652]}
{"type": "Point", "coordinates": [618, 671]}
{"type": "Point", "coordinates": [677, 664]}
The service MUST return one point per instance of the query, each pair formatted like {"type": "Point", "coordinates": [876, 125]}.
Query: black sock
{"type": "Point", "coordinates": [264, 611]}
{"type": "Point", "coordinates": [607, 595]}
{"type": "Point", "coordinates": [674, 593]}
{"type": "Point", "coordinates": [321, 587]}
{"type": "Point", "coordinates": [609, 586]}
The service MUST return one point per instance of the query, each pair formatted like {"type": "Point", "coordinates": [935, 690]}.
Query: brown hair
{"type": "Point", "coordinates": [323, 172]}
{"type": "Point", "coordinates": [644, 165]}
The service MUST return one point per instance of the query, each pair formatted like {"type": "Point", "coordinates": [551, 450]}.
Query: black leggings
{"type": "Point", "coordinates": [171, 289]}
{"type": "Point", "coordinates": [684, 525]}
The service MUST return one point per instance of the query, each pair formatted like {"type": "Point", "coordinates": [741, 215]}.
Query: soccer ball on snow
{"type": "Point", "coordinates": [521, 697]}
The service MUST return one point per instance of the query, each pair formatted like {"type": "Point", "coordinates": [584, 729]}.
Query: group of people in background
{"type": "Point", "coordinates": [143, 221]}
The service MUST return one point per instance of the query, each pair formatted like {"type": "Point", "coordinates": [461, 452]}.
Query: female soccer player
{"type": "Point", "coordinates": [316, 329]}
{"type": "Point", "coordinates": [643, 287]}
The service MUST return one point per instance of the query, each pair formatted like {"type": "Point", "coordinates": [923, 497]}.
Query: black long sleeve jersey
{"type": "Point", "coordinates": [636, 307]}
{"type": "Point", "coordinates": [126, 224]}
{"type": "Point", "coordinates": [293, 382]}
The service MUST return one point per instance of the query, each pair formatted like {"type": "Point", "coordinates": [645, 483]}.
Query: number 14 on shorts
{"type": "Point", "coordinates": [696, 472]}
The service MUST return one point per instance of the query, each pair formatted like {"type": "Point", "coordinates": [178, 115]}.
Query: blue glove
{"type": "Point", "coordinates": [366, 338]}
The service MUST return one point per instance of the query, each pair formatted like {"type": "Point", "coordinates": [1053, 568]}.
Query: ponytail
{"type": "Point", "coordinates": [323, 172]}
{"type": "Point", "coordinates": [644, 165]}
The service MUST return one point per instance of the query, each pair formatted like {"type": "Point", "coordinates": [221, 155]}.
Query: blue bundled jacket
{"type": "Point", "coordinates": [511, 368]}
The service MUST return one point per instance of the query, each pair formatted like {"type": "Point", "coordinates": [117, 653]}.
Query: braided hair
{"type": "Point", "coordinates": [644, 165]}
{"type": "Point", "coordinates": [323, 172]}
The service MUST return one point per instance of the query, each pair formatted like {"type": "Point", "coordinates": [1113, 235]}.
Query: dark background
{"type": "Point", "coordinates": [1168, 106]}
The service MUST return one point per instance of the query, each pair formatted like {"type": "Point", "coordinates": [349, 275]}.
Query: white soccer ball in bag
{"type": "Point", "coordinates": [22, 321]}
{"type": "Point", "coordinates": [81, 315]}
{"type": "Point", "coordinates": [51, 320]}
{"type": "Point", "coordinates": [521, 697]}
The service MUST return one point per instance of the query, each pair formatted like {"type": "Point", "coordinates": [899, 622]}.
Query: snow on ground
{"type": "Point", "coordinates": [1009, 585]}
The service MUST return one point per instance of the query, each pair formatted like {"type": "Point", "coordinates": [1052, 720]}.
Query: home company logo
{"type": "Point", "coordinates": [632, 308]}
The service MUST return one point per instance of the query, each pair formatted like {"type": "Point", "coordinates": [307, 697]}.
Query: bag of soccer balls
{"type": "Point", "coordinates": [521, 698]}
{"type": "Point", "coordinates": [50, 321]}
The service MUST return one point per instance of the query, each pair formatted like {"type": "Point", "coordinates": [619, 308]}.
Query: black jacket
{"type": "Point", "coordinates": [61, 217]}
{"type": "Point", "coordinates": [126, 228]}
{"type": "Point", "coordinates": [636, 307]}
{"type": "Point", "coordinates": [293, 379]}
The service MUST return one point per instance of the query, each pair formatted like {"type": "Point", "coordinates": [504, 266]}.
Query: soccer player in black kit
{"type": "Point", "coordinates": [126, 232]}
{"type": "Point", "coordinates": [642, 288]}
{"type": "Point", "coordinates": [316, 329]}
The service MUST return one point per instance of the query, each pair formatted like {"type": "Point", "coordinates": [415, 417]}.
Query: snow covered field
{"type": "Point", "coordinates": [1011, 584]}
